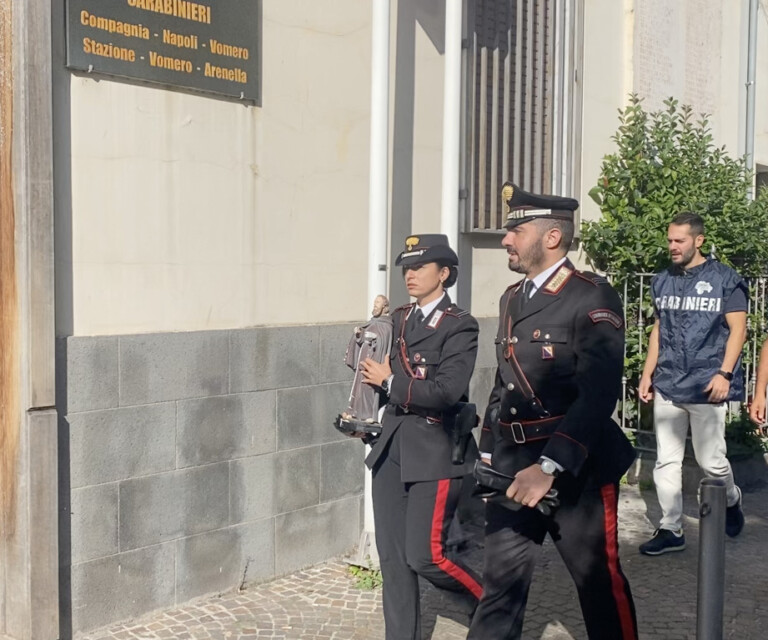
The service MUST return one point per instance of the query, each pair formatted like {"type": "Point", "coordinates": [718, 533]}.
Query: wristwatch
{"type": "Point", "coordinates": [549, 467]}
{"type": "Point", "coordinates": [385, 384]}
{"type": "Point", "coordinates": [728, 375]}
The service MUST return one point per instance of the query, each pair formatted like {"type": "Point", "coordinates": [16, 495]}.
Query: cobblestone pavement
{"type": "Point", "coordinates": [323, 601]}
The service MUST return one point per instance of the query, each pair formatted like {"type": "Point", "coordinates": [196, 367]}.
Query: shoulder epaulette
{"type": "Point", "coordinates": [591, 277]}
{"type": "Point", "coordinates": [405, 307]}
{"type": "Point", "coordinates": [514, 286]}
{"type": "Point", "coordinates": [456, 312]}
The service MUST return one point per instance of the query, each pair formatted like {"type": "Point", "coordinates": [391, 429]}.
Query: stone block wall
{"type": "Point", "coordinates": [192, 463]}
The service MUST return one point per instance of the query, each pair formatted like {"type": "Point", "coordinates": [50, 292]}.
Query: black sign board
{"type": "Point", "coordinates": [203, 45]}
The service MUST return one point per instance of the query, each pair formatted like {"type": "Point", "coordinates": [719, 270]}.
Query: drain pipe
{"type": "Point", "coordinates": [378, 211]}
{"type": "Point", "coordinates": [749, 130]}
{"type": "Point", "coordinates": [449, 213]}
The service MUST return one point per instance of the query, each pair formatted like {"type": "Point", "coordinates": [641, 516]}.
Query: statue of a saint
{"type": "Point", "coordinates": [371, 340]}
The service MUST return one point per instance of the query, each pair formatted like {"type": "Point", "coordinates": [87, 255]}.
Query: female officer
{"type": "Point", "coordinates": [415, 485]}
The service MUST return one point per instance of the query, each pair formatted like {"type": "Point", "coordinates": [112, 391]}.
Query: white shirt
{"type": "Point", "coordinates": [429, 307]}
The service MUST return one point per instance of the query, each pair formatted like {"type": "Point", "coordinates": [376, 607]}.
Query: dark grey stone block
{"type": "Point", "coordinates": [86, 374]}
{"type": "Point", "coordinates": [343, 470]}
{"type": "Point", "coordinates": [225, 559]}
{"type": "Point", "coordinates": [334, 339]}
{"type": "Point", "coordinates": [305, 416]}
{"type": "Point", "coordinates": [121, 443]}
{"type": "Point", "coordinates": [252, 493]}
{"type": "Point", "coordinates": [265, 485]}
{"type": "Point", "coordinates": [172, 366]}
{"type": "Point", "coordinates": [297, 479]}
{"type": "Point", "coordinates": [94, 522]}
{"type": "Point", "coordinates": [122, 586]}
{"type": "Point", "coordinates": [486, 352]}
{"type": "Point", "coordinates": [274, 358]}
{"type": "Point", "coordinates": [226, 427]}
{"type": "Point", "coordinates": [173, 505]}
{"type": "Point", "coordinates": [312, 535]}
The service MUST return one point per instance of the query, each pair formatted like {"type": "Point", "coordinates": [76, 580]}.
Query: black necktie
{"type": "Point", "coordinates": [417, 317]}
{"type": "Point", "coordinates": [525, 294]}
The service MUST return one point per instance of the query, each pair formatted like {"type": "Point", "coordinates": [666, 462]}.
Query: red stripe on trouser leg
{"type": "Point", "coordinates": [436, 543]}
{"type": "Point", "coordinates": [608, 494]}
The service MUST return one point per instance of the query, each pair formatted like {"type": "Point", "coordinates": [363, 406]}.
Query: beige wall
{"type": "Point", "coordinates": [196, 213]}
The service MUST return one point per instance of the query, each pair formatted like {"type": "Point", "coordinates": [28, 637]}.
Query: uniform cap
{"type": "Point", "coordinates": [428, 247]}
{"type": "Point", "coordinates": [521, 206]}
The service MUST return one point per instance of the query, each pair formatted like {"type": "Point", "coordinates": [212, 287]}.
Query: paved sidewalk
{"type": "Point", "coordinates": [323, 602]}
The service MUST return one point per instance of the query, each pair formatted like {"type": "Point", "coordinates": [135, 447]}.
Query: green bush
{"type": "Point", "coordinates": [666, 162]}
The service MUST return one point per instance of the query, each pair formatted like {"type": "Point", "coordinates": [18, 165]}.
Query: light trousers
{"type": "Point", "coordinates": [671, 422]}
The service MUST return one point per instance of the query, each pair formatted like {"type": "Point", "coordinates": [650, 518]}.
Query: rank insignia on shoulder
{"type": "Point", "coordinates": [434, 321]}
{"type": "Point", "coordinates": [557, 281]}
{"type": "Point", "coordinates": [548, 352]}
{"type": "Point", "coordinates": [606, 315]}
{"type": "Point", "coordinates": [420, 372]}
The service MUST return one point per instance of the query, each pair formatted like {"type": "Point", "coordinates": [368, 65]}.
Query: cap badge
{"type": "Point", "coordinates": [507, 192]}
{"type": "Point", "coordinates": [411, 242]}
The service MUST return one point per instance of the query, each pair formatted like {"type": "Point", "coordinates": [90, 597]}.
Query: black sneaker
{"type": "Point", "coordinates": [734, 518]}
{"type": "Point", "coordinates": [663, 541]}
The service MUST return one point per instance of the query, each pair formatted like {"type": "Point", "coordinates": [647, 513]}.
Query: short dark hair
{"type": "Point", "coordinates": [566, 228]}
{"type": "Point", "coordinates": [693, 220]}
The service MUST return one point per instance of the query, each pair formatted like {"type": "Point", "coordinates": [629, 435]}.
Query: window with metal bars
{"type": "Point", "coordinates": [524, 102]}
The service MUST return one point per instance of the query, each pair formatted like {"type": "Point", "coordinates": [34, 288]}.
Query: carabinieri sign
{"type": "Point", "coordinates": [205, 45]}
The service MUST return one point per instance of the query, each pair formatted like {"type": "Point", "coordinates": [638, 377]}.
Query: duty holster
{"type": "Point", "coordinates": [492, 486]}
{"type": "Point", "coordinates": [460, 421]}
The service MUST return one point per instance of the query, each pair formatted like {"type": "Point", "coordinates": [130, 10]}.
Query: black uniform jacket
{"type": "Point", "coordinates": [561, 354]}
{"type": "Point", "coordinates": [432, 365]}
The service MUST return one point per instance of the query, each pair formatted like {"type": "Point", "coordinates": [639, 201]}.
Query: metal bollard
{"type": "Point", "coordinates": [709, 621]}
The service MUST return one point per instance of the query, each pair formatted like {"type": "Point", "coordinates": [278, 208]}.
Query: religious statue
{"type": "Point", "coordinates": [371, 340]}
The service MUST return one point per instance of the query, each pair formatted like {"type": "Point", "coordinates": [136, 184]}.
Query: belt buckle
{"type": "Point", "coordinates": [517, 428]}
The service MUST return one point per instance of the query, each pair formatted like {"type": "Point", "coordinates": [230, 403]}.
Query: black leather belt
{"type": "Point", "coordinates": [529, 430]}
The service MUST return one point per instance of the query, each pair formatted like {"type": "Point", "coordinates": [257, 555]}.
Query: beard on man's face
{"type": "Point", "coordinates": [527, 259]}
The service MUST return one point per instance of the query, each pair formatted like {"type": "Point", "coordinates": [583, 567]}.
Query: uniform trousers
{"type": "Point", "coordinates": [671, 421]}
{"type": "Point", "coordinates": [584, 531]}
{"type": "Point", "coordinates": [412, 522]}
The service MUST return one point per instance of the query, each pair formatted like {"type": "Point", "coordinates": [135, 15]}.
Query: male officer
{"type": "Point", "coordinates": [560, 350]}
{"type": "Point", "coordinates": [416, 486]}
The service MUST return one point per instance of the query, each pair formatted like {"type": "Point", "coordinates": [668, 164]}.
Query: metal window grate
{"type": "Point", "coordinates": [523, 85]}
